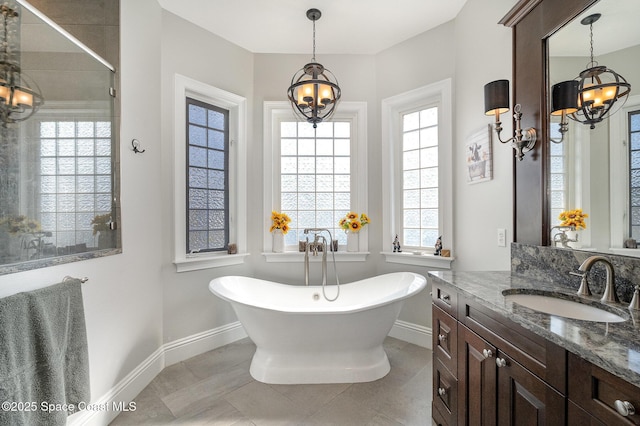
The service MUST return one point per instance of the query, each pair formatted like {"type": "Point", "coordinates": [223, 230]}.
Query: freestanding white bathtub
{"type": "Point", "coordinates": [302, 338]}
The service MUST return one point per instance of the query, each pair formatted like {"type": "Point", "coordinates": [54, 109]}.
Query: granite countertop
{"type": "Point", "coordinates": [615, 347]}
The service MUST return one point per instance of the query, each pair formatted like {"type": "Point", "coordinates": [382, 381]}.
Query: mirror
{"type": "Point", "coordinates": [598, 170]}
{"type": "Point", "coordinates": [58, 189]}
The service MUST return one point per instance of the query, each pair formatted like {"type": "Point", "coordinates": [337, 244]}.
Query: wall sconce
{"type": "Point", "coordinates": [564, 100]}
{"type": "Point", "coordinates": [496, 102]}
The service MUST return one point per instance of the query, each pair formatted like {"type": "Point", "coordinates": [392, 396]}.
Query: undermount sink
{"type": "Point", "coordinates": [554, 304]}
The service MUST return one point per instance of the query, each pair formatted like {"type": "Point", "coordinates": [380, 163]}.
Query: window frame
{"type": "Point", "coordinates": [393, 108]}
{"type": "Point", "coordinates": [226, 150]}
{"type": "Point", "coordinates": [274, 113]}
{"type": "Point", "coordinates": [237, 185]}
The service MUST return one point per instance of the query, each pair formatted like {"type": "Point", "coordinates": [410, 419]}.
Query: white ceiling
{"type": "Point", "coordinates": [616, 29]}
{"type": "Point", "coordinates": [346, 26]}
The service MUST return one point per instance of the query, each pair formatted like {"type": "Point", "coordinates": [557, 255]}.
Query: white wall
{"type": "Point", "coordinates": [188, 305]}
{"type": "Point", "coordinates": [483, 54]}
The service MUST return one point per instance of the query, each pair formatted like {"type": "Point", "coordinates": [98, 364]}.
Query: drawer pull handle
{"type": "Point", "coordinates": [624, 408]}
{"type": "Point", "coordinates": [501, 362]}
{"type": "Point", "coordinates": [442, 391]}
{"type": "Point", "coordinates": [442, 337]}
{"type": "Point", "coordinates": [487, 353]}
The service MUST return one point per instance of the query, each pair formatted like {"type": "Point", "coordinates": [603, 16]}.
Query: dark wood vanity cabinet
{"type": "Point", "coordinates": [482, 368]}
{"type": "Point", "coordinates": [489, 370]}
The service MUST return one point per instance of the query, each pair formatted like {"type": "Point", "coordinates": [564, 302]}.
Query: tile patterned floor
{"type": "Point", "coordinates": [215, 388]}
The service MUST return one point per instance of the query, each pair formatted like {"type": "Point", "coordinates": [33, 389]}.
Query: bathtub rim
{"type": "Point", "coordinates": [417, 285]}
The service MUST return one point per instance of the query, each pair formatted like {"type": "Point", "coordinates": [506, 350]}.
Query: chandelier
{"type": "Point", "coordinates": [314, 91]}
{"type": "Point", "coordinates": [20, 97]}
{"type": "Point", "coordinates": [601, 91]}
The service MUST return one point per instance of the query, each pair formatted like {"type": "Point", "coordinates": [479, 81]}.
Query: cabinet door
{"type": "Point", "coordinates": [476, 379]}
{"type": "Point", "coordinates": [445, 393]}
{"type": "Point", "coordinates": [445, 340]}
{"type": "Point", "coordinates": [524, 399]}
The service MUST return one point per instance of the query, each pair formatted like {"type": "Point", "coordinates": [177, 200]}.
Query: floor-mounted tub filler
{"type": "Point", "coordinates": [301, 337]}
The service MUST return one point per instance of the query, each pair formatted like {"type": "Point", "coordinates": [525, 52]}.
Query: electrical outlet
{"type": "Point", "coordinates": [502, 237]}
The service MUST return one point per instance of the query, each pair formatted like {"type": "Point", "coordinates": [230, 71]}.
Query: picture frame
{"type": "Point", "coordinates": [479, 156]}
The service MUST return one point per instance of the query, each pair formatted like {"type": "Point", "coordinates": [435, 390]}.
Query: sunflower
{"type": "Point", "coordinates": [353, 222]}
{"type": "Point", "coordinates": [279, 221]}
{"type": "Point", "coordinates": [573, 218]}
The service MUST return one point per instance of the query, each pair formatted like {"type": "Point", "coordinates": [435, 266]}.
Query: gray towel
{"type": "Point", "coordinates": [44, 362]}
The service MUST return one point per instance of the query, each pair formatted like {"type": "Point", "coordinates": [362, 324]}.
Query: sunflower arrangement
{"type": "Point", "coordinates": [353, 222]}
{"type": "Point", "coordinates": [279, 221]}
{"type": "Point", "coordinates": [573, 218]}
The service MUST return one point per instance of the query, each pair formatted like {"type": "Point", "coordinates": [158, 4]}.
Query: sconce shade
{"type": "Point", "coordinates": [496, 97]}
{"type": "Point", "coordinates": [564, 97]}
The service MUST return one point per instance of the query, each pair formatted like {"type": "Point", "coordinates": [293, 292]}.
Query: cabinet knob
{"type": "Point", "coordinates": [446, 297]}
{"type": "Point", "coordinates": [442, 337]}
{"type": "Point", "coordinates": [487, 353]}
{"type": "Point", "coordinates": [624, 408]}
{"type": "Point", "coordinates": [442, 391]}
{"type": "Point", "coordinates": [501, 362]}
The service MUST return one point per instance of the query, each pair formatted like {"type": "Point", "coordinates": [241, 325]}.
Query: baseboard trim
{"type": "Point", "coordinates": [110, 404]}
{"type": "Point", "coordinates": [196, 344]}
{"type": "Point", "coordinates": [412, 333]}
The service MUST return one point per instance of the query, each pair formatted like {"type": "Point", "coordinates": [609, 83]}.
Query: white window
{"type": "Point", "coordinates": [420, 203]}
{"type": "Point", "coordinates": [226, 221]}
{"type": "Point", "coordinates": [558, 175]}
{"type": "Point", "coordinates": [316, 176]}
{"type": "Point", "coordinates": [417, 199]}
{"type": "Point", "coordinates": [624, 158]}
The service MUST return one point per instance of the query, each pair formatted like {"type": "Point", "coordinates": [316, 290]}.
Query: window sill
{"type": "Point", "coordinates": [297, 257]}
{"type": "Point", "coordinates": [207, 261]}
{"type": "Point", "coordinates": [423, 259]}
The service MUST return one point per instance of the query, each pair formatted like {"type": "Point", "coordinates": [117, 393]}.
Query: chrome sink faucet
{"type": "Point", "coordinates": [609, 295]}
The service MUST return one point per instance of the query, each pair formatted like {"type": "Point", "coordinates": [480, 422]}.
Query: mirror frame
{"type": "Point", "coordinates": [533, 22]}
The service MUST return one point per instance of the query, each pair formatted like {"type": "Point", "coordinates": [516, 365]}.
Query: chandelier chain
{"type": "Point", "coordinates": [592, 63]}
{"type": "Point", "coordinates": [313, 58]}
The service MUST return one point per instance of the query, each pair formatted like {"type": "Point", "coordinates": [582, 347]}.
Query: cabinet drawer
{"type": "Point", "coordinates": [445, 393]}
{"type": "Point", "coordinates": [445, 339]}
{"type": "Point", "coordinates": [596, 391]}
{"type": "Point", "coordinates": [445, 299]}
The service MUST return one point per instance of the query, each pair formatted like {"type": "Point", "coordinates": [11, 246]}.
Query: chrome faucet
{"type": "Point", "coordinates": [562, 237]}
{"type": "Point", "coordinates": [609, 295]}
{"type": "Point", "coordinates": [319, 244]}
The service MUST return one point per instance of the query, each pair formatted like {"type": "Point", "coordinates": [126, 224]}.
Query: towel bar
{"type": "Point", "coordinates": [82, 280]}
